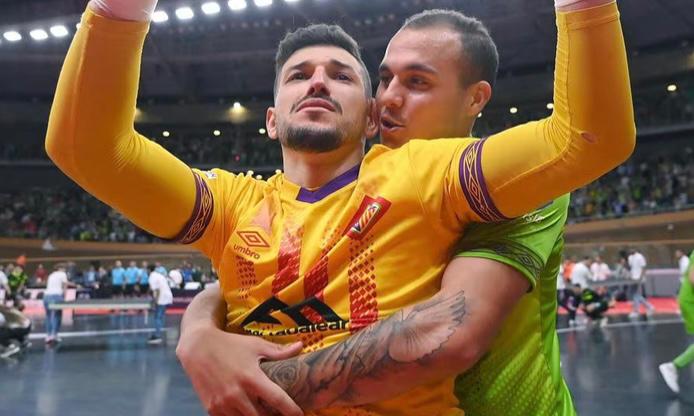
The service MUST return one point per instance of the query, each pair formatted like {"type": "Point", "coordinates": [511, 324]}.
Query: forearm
{"type": "Point", "coordinates": [91, 135]}
{"type": "Point", "coordinates": [591, 129]}
{"type": "Point", "coordinates": [418, 344]}
{"type": "Point", "coordinates": [206, 310]}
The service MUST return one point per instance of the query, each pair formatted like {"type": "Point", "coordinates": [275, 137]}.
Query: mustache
{"type": "Point", "coordinates": [338, 107]}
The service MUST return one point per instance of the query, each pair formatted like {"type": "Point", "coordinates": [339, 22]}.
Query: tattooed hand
{"type": "Point", "coordinates": [335, 376]}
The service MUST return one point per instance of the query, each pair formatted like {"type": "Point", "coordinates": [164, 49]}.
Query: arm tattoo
{"type": "Point", "coordinates": [407, 340]}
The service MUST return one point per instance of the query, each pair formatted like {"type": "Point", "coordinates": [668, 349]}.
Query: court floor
{"type": "Point", "coordinates": [104, 366]}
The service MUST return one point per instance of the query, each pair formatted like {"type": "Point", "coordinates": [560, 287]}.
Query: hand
{"type": "Point", "coordinates": [137, 10]}
{"type": "Point", "coordinates": [225, 371]}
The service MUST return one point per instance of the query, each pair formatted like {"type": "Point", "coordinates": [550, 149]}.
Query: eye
{"type": "Point", "coordinates": [296, 76]}
{"type": "Point", "coordinates": [341, 76]}
{"type": "Point", "coordinates": [385, 79]}
{"type": "Point", "coordinates": [418, 81]}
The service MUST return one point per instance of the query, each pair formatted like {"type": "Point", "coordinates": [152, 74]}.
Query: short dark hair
{"type": "Point", "coordinates": [478, 48]}
{"type": "Point", "coordinates": [319, 35]}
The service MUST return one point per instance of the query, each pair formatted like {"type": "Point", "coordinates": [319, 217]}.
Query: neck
{"type": "Point", "coordinates": [313, 170]}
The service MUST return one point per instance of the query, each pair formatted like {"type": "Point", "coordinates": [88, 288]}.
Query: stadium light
{"type": "Point", "coordinates": [160, 16]}
{"type": "Point", "coordinates": [38, 34]}
{"type": "Point", "coordinates": [250, 173]}
{"type": "Point", "coordinates": [550, 106]}
{"type": "Point", "coordinates": [672, 87]}
{"type": "Point", "coordinates": [165, 133]}
{"type": "Point", "coordinates": [278, 171]}
{"type": "Point", "coordinates": [59, 31]}
{"type": "Point", "coordinates": [12, 36]}
{"type": "Point", "coordinates": [210, 8]}
{"type": "Point", "coordinates": [184, 13]}
{"type": "Point", "coordinates": [217, 133]}
{"type": "Point", "coordinates": [259, 177]}
{"type": "Point", "coordinates": [262, 3]}
{"type": "Point", "coordinates": [236, 105]}
{"type": "Point", "coordinates": [237, 4]}
{"type": "Point", "coordinates": [513, 110]}
{"type": "Point", "coordinates": [77, 26]}
{"type": "Point", "coordinates": [261, 131]}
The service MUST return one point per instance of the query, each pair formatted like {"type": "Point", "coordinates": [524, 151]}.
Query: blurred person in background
{"type": "Point", "coordinates": [4, 285]}
{"type": "Point", "coordinates": [682, 263]}
{"type": "Point", "coordinates": [637, 267]}
{"type": "Point", "coordinates": [55, 292]}
{"type": "Point", "coordinates": [161, 298]}
{"type": "Point", "coordinates": [143, 280]}
{"type": "Point", "coordinates": [40, 276]}
{"type": "Point", "coordinates": [118, 279]}
{"type": "Point", "coordinates": [600, 270]}
{"type": "Point", "coordinates": [130, 276]}
{"type": "Point", "coordinates": [17, 280]}
{"type": "Point", "coordinates": [580, 274]}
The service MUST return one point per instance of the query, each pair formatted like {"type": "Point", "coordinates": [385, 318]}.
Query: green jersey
{"type": "Point", "coordinates": [687, 290]}
{"type": "Point", "coordinates": [686, 298]}
{"type": "Point", "coordinates": [520, 375]}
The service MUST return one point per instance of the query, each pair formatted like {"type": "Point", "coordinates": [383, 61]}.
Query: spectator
{"type": "Point", "coordinates": [596, 303]}
{"type": "Point", "coordinates": [4, 285]}
{"type": "Point", "coordinates": [161, 298]}
{"type": "Point", "coordinates": [175, 278]}
{"type": "Point", "coordinates": [637, 267]}
{"type": "Point", "coordinates": [131, 275]}
{"type": "Point", "coordinates": [682, 262]}
{"type": "Point", "coordinates": [581, 275]}
{"type": "Point", "coordinates": [55, 292]}
{"type": "Point", "coordinates": [17, 281]}
{"type": "Point", "coordinates": [118, 279]}
{"type": "Point", "coordinates": [600, 270]}
{"type": "Point", "coordinates": [40, 276]}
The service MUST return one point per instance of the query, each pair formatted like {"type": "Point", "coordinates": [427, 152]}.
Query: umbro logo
{"type": "Point", "coordinates": [253, 239]}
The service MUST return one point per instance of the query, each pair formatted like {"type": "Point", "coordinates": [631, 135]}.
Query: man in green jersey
{"type": "Point", "coordinates": [520, 373]}
{"type": "Point", "coordinates": [420, 85]}
{"type": "Point", "coordinates": [686, 301]}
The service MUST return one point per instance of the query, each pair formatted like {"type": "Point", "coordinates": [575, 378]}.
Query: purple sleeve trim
{"type": "Point", "coordinates": [200, 217]}
{"type": "Point", "coordinates": [474, 186]}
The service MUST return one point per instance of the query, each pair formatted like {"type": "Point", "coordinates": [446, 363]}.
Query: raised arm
{"type": "Point", "coordinates": [90, 131]}
{"type": "Point", "coordinates": [437, 338]}
{"type": "Point", "coordinates": [590, 131]}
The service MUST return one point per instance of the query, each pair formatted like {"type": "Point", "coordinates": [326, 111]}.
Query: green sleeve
{"type": "Point", "coordinates": [524, 243]}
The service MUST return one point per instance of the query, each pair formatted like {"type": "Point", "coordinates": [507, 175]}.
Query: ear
{"type": "Point", "coordinates": [271, 123]}
{"type": "Point", "coordinates": [372, 119]}
{"type": "Point", "coordinates": [479, 95]}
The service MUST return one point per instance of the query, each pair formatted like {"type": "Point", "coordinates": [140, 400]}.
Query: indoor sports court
{"type": "Point", "coordinates": [327, 207]}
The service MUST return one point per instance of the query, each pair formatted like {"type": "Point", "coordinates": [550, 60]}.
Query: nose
{"type": "Point", "coordinates": [318, 84]}
{"type": "Point", "coordinates": [391, 96]}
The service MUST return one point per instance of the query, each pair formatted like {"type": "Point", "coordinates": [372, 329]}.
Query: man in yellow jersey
{"type": "Point", "coordinates": [308, 255]}
{"type": "Point", "coordinates": [422, 88]}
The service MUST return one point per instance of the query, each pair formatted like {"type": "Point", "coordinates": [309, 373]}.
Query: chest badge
{"type": "Point", "coordinates": [370, 211]}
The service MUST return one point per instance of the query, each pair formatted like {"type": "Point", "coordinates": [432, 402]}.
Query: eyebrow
{"type": "Point", "coordinates": [418, 67]}
{"type": "Point", "coordinates": [333, 62]}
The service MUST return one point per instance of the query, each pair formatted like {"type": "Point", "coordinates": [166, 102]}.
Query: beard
{"type": "Point", "coordinates": [312, 139]}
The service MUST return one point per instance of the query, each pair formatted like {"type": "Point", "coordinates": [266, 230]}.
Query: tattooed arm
{"type": "Point", "coordinates": [437, 338]}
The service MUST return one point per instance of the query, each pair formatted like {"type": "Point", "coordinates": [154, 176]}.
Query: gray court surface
{"type": "Point", "coordinates": [104, 366]}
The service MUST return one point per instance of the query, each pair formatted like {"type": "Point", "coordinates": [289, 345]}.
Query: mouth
{"type": "Point", "coordinates": [314, 104]}
{"type": "Point", "coordinates": [389, 125]}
